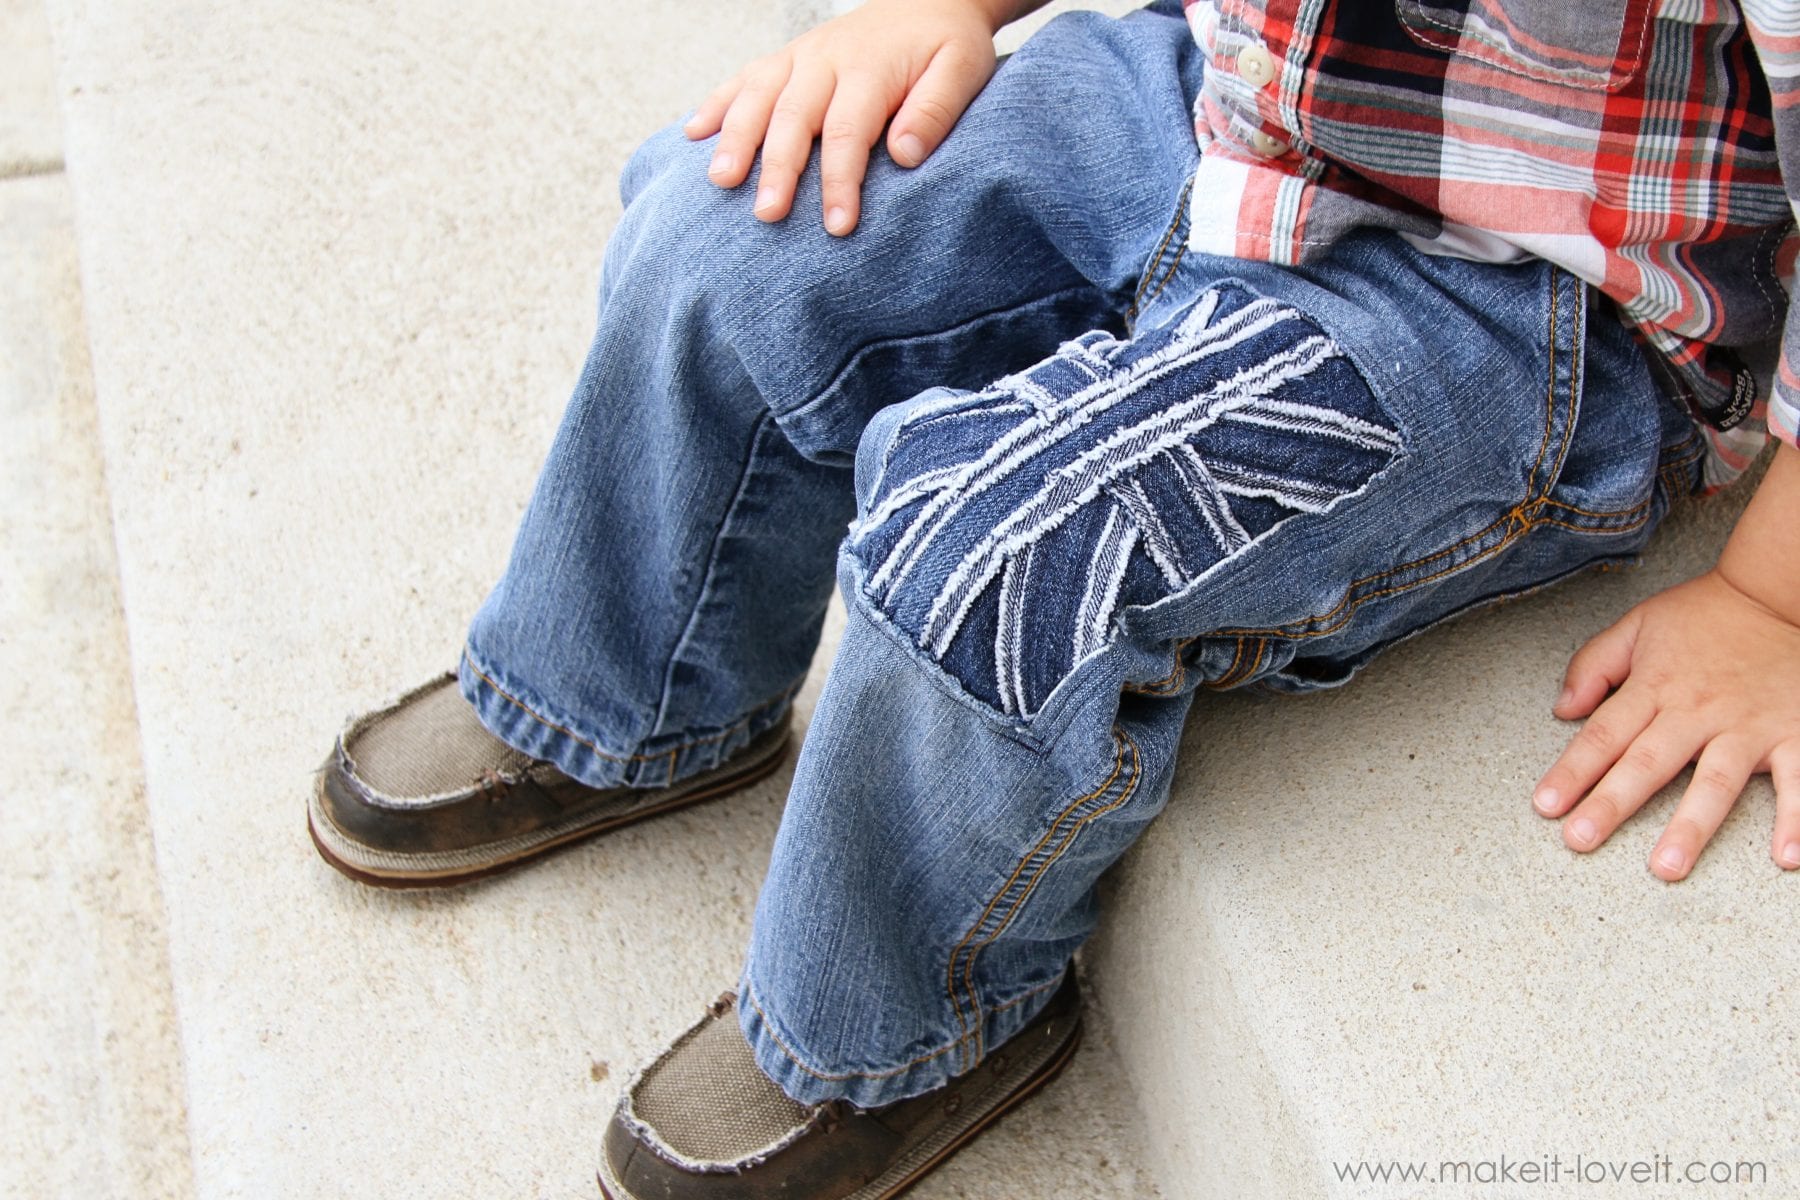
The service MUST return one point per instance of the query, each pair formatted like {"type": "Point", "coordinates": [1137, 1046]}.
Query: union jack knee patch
{"type": "Point", "coordinates": [1010, 526]}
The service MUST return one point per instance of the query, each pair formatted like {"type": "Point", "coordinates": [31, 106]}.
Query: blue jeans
{"type": "Point", "coordinates": [1069, 476]}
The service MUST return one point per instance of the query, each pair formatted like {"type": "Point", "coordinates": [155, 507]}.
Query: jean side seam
{"type": "Point", "coordinates": [1168, 683]}
{"type": "Point", "coordinates": [1577, 362]}
{"type": "Point", "coordinates": [1172, 683]}
{"type": "Point", "coordinates": [1130, 789]}
{"type": "Point", "coordinates": [1232, 678]}
{"type": "Point", "coordinates": [1346, 607]}
{"type": "Point", "coordinates": [971, 1026]}
{"type": "Point", "coordinates": [1520, 517]}
{"type": "Point", "coordinates": [1179, 255]}
{"type": "Point", "coordinates": [956, 951]}
{"type": "Point", "coordinates": [1524, 517]}
{"type": "Point", "coordinates": [1532, 487]}
{"type": "Point", "coordinates": [1230, 674]}
{"type": "Point", "coordinates": [976, 1031]}
{"type": "Point", "coordinates": [1138, 303]}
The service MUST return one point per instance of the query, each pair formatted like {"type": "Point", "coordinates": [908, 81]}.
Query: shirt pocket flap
{"type": "Point", "coordinates": [1594, 45]}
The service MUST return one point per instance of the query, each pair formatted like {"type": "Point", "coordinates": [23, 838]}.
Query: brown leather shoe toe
{"type": "Point", "coordinates": [420, 794]}
{"type": "Point", "coordinates": [702, 1122]}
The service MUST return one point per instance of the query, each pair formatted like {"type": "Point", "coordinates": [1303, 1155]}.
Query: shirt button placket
{"type": "Point", "coordinates": [1256, 65]}
{"type": "Point", "coordinates": [1268, 145]}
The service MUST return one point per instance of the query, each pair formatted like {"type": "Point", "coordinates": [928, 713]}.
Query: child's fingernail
{"type": "Point", "coordinates": [1545, 800]}
{"type": "Point", "coordinates": [765, 198]}
{"type": "Point", "coordinates": [1790, 855]}
{"type": "Point", "coordinates": [912, 150]}
{"type": "Point", "coordinates": [722, 165]}
{"type": "Point", "coordinates": [1582, 831]}
{"type": "Point", "coordinates": [1562, 701]}
{"type": "Point", "coordinates": [1672, 858]}
{"type": "Point", "coordinates": [836, 219]}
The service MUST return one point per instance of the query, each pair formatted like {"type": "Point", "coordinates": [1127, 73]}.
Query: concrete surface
{"type": "Point", "coordinates": [1351, 940]}
{"type": "Point", "coordinates": [339, 270]}
{"type": "Point", "coordinates": [338, 266]}
{"type": "Point", "coordinates": [30, 134]}
{"type": "Point", "coordinates": [89, 1065]}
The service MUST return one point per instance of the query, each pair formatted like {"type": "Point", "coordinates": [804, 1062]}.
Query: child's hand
{"type": "Point", "coordinates": [925, 58]}
{"type": "Point", "coordinates": [1703, 671]}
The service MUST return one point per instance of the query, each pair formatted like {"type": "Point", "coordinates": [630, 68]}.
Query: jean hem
{"type": "Point", "coordinates": [596, 760]}
{"type": "Point", "coordinates": [871, 1086]}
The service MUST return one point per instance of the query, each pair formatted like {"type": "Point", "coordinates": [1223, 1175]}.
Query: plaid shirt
{"type": "Point", "coordinates": [1639, 145]}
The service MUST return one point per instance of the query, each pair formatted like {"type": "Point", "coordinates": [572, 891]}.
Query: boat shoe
{"type": "Point", "coordinates": [702, 1122]}
{"type": "Point", "coordinates": [420, 794]}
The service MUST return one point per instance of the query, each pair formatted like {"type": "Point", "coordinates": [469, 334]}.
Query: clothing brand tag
{"type": "Point", "coordinates": [1743, 399]}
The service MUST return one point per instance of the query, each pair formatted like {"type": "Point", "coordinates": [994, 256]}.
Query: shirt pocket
{"type": "Point", "coordinates": [1592, 45]}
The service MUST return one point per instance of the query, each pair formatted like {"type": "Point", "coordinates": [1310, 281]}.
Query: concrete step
{"type": "Point", "coordinates": [30, 130]}
{"type": "Point", "coordinates": [89, 1065]}
{"type": "Point", "coordinates": [339, 269]}
{"type": "Point", "coordinates": [1350, 941]}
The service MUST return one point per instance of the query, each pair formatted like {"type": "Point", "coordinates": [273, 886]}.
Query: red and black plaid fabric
{"type": "Point", "coordinates": [1639, 145]}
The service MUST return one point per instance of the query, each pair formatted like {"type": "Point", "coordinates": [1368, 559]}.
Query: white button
{"type": "Point", "coordinates": [1268, 145]}
{"type": "Point", "coordinates": [1255, 64]}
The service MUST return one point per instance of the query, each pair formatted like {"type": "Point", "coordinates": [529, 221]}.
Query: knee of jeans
{"type": "Point", "coordinates": [878, 438]}
{"type": "Point", "coordinates": [652, 156]}
{"type": "Point", "coordinates": [1004, 531]}
{"type": "Point", "coordinates": [678, 225]}
{"type": "Point", "coordinates": [724, 286]}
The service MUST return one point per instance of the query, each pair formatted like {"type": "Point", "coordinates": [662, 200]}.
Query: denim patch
{"type": "Point", "coordinates": [1008, 527]}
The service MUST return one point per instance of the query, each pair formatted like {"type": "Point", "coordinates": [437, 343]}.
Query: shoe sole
{"type": "Point", "coordinates": [932, 1152]}
{"type": "Point", "coordinates": [388, 869]}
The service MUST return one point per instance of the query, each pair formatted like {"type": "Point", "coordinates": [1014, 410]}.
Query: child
{"type": "Point", "coordinates": [1208, 349]}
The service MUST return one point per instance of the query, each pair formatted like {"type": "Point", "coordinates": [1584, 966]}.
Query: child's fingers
{"type": "Point", "coordinates": [950, 80]}
{"type": "Point", "coordinates": [1593, 751]}
{"type": "Point", "coordinates": [788, 144]}
{"type": "Point", "coordinates": [1724, 768]}
{"type": "Point", "coordinates": [852, 124]}
{"type": "Point", "coordinates": [1598, 667]}
{"type": "Point", "coordinates": [746, 120]}
{"type": "Point", "coordinates": [1784, 765]}
{"type": "Point", "coordinates": [711, 114]}
{"type": "Point", "coordinates": [1653, 758]}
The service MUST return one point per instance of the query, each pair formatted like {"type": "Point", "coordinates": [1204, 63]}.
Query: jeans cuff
{"type": "Point", "coordinates": [806, 1082]}
{"type": "Point", "coordinates": [597, 760]}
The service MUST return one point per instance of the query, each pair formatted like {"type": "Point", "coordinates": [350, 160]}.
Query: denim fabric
{"type": "Point", "coordinates": [667, 585]}
{"type": "Point", "coordinates": [1144, 464]}
{"type": "Point", "coordinates": [1070, 475]}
